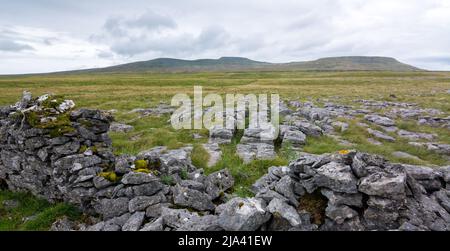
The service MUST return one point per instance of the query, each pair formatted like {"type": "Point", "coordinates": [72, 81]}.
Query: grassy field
{"type": "Point", "coordinates": [124, 92]}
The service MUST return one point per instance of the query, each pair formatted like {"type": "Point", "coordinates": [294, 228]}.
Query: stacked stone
{"type": "Point", "coordinates": [347, 191]}
{"type": "Point", "coordinates": [146, 201]}
{"type": "Point", "coordinates": [257, 143]}
{"type": "Point", "coordinates": [57, 166]}
{"type": "Point", "coordinates": [362, 192]}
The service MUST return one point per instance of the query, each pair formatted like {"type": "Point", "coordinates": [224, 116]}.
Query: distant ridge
{"type": "Point", "coordinates": [353, 63]}
{"type": "Point", "coordinates": [172, 64]}
{"type": "Point", "coordinates": [349, 63]}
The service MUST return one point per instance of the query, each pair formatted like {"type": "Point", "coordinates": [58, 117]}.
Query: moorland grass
{"type": "Point", "coordinates": [32, 213]}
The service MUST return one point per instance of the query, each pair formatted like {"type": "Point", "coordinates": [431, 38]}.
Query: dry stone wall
{"type": "Point", "coordinates": [61, 154]}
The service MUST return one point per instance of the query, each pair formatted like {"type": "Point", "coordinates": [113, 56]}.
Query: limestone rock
{"type": "Point", "coordinates": [337, 177]}
{"type": "Point", "coordinates": [380, 135]}
{"type": "Point", "coordinates": [240, 214]}
{"type": "Point", "coordinates": [134, 222]}
{"type": "Point", "coordinates": [379, 120]}
{"type": "Point", "coordinates": [184, 196]}
{"type": "Point", "coordinates": [218, 182]}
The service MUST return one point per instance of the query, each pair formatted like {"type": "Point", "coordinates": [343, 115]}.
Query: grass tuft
{"type": "Point", "coordinates": [32, 213]}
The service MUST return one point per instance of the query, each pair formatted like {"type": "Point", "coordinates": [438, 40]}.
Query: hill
{"type": "Point", "coordinates": [172, 64]}
{"type": "Point", "coordinates": [355, 63]}
{"type": "Point", "coordinates": [223, 64]}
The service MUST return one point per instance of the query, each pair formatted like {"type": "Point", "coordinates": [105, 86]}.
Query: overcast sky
{"type": "Point", "coordinates": [55, 35]}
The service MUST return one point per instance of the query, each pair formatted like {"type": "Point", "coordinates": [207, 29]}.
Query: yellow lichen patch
{"type": "Point", "coordinates": [141, 164]}
{"type": "Point", "coordinates": [142, 170]}
{"type": "Point", "coordinates": [343, 152]}
{"type": "Point", "coordinates": [111, 176]}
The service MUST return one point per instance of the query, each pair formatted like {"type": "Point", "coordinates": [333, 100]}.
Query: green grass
{"type": "Point", "coordinates": [322, 144]}
{"type": "Point", "coordinates": [41, 213]}
{"type": "Point", "coordinates": [244, 174]}
{"type": "Point", "coordinates": [199, 156]}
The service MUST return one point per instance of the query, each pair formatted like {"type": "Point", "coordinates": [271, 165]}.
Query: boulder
{"type": "Point", "coordinates": [338, 199]}
{"type": "Point", "coordinates": [136, 178]}
{"type": "Point", "coordinates": [156, 225]}
{"type": "Point", "coordinates": [294, 138]}
{"type": "Point", "coordinates": [308, 128]}
{"type": "Point", "coordinates": [384, 184]}
{"type": "Point", "coordinates": [134, 222]}
{"type": "Point", "coordinates": [121, 128]}
{"type": "Point", "coordinates": [379, 120]}
{"type": "Point", "coordinates": [203, 223]}
{"type": "Point", "coordinates": [337, 177]}
{"type": "Point", "coordinates": [340, 213]}
{"type": "Point", "coordinates": [380, 135]}
{"type": "Point", "coordinates": [110, 208]}
{"type": "Point", "coordinates": [281, 209]}
{"type": "Point", "coordinates": [218, 182]}
{"type": "Point", "coordinates": [186, 197]}
{"type": "Point", "coordinates": [251, 151]}
{"type": "Point", "coordinates": [176, 218]}
{"type": "Point", "coordinates": [242, 214]}
{"type": "Point", "coordinates": [220, 135]}
{"type": "Point", "coordinates": [286, 187]}
{"type": "Point", "coordinates": [415, 135]}
{"type": "Point", "coordinates": [140, 203]}
{"type": "Point", "coordinates": [403, 155]}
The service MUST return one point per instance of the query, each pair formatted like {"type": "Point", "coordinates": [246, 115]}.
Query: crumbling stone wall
{"type": "Point", "coordinates": [52, 158]}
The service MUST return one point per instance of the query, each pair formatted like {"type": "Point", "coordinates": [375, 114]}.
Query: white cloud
{"type": "Point", "coordinates": [41, 50]}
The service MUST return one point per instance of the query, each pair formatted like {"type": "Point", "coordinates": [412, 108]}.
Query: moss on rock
{"type": "Point", "coordinates": [111, 176]}
{"type": "Point", "coordinates": [141, 164]}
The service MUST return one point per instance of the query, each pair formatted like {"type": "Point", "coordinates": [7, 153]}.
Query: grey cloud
{"type": "Point", "coordinates": [158, 34]}
{"type": "Point", "coordinates": [151, 20]}
{"type": "Point", "coordinates": [184, 44]}
{"type": "Point", "coordinates": [120, 26]}
{"type": "Point", "coordinates": [13, 46]}
{"type": "Point", "coordinates": [212, 37]}
{"type": "Point", "coordinates": [114, 28]}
